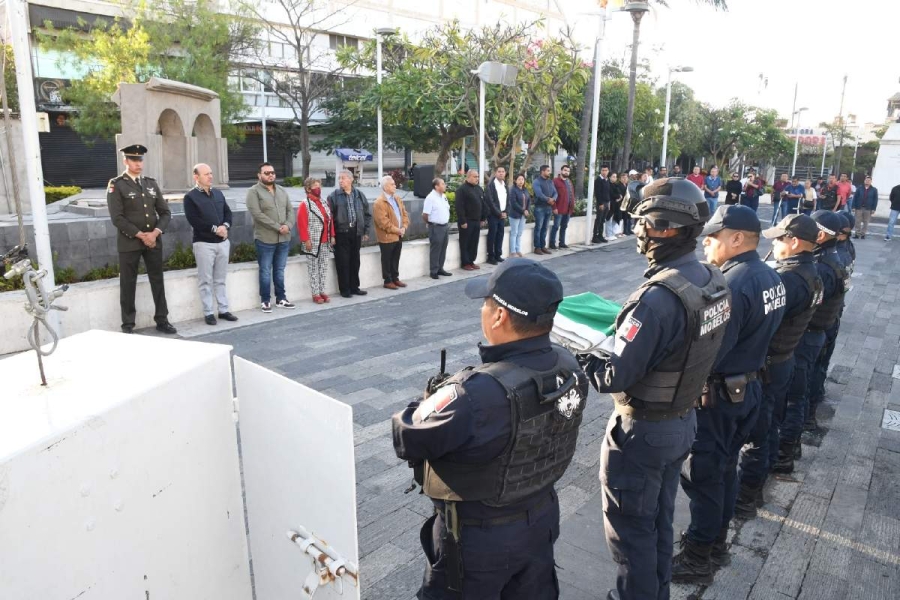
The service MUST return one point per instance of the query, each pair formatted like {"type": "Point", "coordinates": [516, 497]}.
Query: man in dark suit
{"type": "Point", "coordinates": [141, 214]}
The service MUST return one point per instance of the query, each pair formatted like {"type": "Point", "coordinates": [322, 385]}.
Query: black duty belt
{"type": "Point", "coordinates": [525, 515]}
{"type": "Point", "coordinates": [720, 378]}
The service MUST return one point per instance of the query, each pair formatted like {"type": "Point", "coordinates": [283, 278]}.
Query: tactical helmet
{"type": "Point", "coordinates": [670, 203]}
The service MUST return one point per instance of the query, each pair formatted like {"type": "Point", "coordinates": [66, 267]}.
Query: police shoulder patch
{"type": "Point", "coordinates": [435, 403]}
{"type": "Point", "coordinates": [629, 329]}
{"type": "Point", "coordinates": [111, 186]}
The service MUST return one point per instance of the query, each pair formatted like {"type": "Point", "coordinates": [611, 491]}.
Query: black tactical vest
{"type": "Point", "coordinates": [791, 329]}
{"type": "Point", "coordinates": [678, 381]}
{"type": "Point", "coordinates": [830, 309]}
{"type": "Point", "coordinates": [545, 412]}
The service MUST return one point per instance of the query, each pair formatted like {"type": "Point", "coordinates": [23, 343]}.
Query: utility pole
{"type": "Point", "coordinates": [18, 22]}
{"type": "Point", "coordinates": [837, 155]}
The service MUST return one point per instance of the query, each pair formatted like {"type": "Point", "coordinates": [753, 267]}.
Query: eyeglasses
{"type": "Point", "coordinates": [268, 172]}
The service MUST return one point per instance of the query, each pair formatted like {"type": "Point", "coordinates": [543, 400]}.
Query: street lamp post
{"type": "Point", "coordinates": [493, 73]}
{"type": "Point", "coordinates": [796, 138]}
{"type": "Point", "coordinates": [379, 33]}
{"type": "Point", "coordinates": [665, 142]}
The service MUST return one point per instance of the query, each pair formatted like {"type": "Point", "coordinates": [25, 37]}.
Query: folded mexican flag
{"type": "Point", "coordinates": [584, 321]}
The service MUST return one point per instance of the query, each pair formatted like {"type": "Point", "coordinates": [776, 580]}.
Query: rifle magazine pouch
{"type": "Point", "coordinates": [736, 386]}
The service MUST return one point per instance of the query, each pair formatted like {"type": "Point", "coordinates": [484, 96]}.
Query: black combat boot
{"type": "Point", "coordinates": [798, 450]}
{"type": "Point", "coordinates": [719, 555]}
{"type": "Point", "coordinates": [746, 504]}
{"type": "Point", "coordinates": [785, 462]}
{"type": "Point", "coordinates": [692, 564]}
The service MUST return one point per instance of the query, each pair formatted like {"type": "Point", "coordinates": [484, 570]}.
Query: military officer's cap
{"type": "Point", "coordinates": [521, 285]}
{"type": "Point", "coordinates": [733, 216]}
{"type": "Point", "coordinates": [134, 151]}
{"type": "Point", "coordinates": [798, 226]}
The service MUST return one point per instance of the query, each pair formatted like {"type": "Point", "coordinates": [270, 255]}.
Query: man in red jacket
{"type": "Point", "coordinates": [565, 207]}
{"type": "Point", "coordinates": [696, 177]}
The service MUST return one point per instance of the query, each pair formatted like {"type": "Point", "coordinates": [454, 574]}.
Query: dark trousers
{"type": "Point", "coordinates": [495, 237]}
{"type": "Point", "coordinates": [501, 562]}
{"type": "Point", "coordinates": [438, 236]}
{"type": "Point", "coordinates": [128, 272]}
{"type": "Point", "coordinates": [757, 452]}
{"type": "Point", "coordinates": [560, 224]}
{"type": "Point", "coordinates": [626, 223]}
{"type": "Point", "coordinates": [468, 243]}
{"type": "Point", "coordinates": [797, 398]}
{"type": "Point", "coordinates": [639, 466]}
{"type": "Point", "coordinates": [820, 370]}
{"type": "Point", "coordinates": [542, 215]}
{"type": "Point", "coordinates": [600, 221]}
{"type": "Point", "coordinates": [709, 475]}
{"type": "Point", "coordinates": [751, 202]}
{"type": "Point", "coordinates": [346, 260]}
{"type": "Point", "coordinates": [390, 261]}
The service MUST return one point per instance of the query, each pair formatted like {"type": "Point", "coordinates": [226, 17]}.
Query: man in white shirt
{"type": "Point", "coordinates": [436, 213]}
{"type": "Point", "coordinates": [495, 203]}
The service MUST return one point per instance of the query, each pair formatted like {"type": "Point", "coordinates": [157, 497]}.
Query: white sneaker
{"type": "Point", "coordinates": [266, 307]}
{"type": "Point", "coordinates": [285, 303]}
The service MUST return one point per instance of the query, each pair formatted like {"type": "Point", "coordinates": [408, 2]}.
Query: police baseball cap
{"type": "Point", "coordinates": [799, 226]}
{"type": "Point", "coordinates": [520, 285]}
{"type": "Point", "coordinates": [827, 221]}
{"type": "Point", "coordinates": [846, 226]}
{"type": "Point", "coordinates": [733, 216]}
{"type": "Point", "coordinates": [134, 151]}
{"type": "Point", "coordinates": [850, 219]}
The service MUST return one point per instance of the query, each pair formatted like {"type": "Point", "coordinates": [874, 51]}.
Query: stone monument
{"type": "Point", "coordinates": [180, 124]}
{"type": "Point", "coordinates": [886, 174]}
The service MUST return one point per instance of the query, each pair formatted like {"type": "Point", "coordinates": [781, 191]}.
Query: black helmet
{"type": "Point", "coordinates": [670, 203]}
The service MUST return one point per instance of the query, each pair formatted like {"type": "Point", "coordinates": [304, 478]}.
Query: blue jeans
{"type": "Point", "coordinates": [891, 221]}
{"type": "Point", "coordinates": [709, 475]}
{"type": "Point", "coordinates": [560, 223]}
{"type": "Point", "coordinates": [271, 257]}
{"type": "Point", "coordinates": [713, 204]}
{"type": "Point", "coordinates": [788, 207]}
{"type": "Point", "coordinates": [542, 215]}
{"type": "Point", "coordinates": [797, 397]}
{"type": "Point", "coordinates": [516, 227]}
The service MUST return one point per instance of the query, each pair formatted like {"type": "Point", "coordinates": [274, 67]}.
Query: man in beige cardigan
{"type": "Point", "coordinates": [391, 222]}
{"type": "Point", "coordinates": [273, 218]}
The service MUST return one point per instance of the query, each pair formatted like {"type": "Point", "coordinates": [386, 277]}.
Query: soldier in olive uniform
{"type": "Point", "coordinates": [141, 214]}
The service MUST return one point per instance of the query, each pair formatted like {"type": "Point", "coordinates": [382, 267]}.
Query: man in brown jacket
{"type": "Point", "coordinates": [391, 222]}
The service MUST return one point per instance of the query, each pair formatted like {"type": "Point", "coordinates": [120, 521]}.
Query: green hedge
{"type": "Point", "coordinates": [54, 194]}
{"type": "Point", "coordinates": [292, 182]}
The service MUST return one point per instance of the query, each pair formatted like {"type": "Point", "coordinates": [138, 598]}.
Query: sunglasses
{"type": "Point", "coordinates": [268, 172]}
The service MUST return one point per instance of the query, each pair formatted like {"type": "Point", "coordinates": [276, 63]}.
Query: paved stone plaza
{"type": "Point", "coordinates": [829, 531]}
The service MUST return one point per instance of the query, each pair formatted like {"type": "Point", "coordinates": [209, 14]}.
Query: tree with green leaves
{"type": "Point", "coordinates": [184, 40]}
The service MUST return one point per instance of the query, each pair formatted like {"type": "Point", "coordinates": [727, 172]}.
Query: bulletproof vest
{"type": "Point", "coordinates": [831, 307]}
{"type": "Point", "coordinates": [788, 334]}
{"type": "Point", "coordinates": [545, 413]}
{"type": "Point", "coordinates": [678, 381]}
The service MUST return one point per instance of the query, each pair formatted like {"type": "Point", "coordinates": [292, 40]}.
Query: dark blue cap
{"type": "Point", "coordinates": [850, 218]}
{"type": "Point", "coordinates": [134, 151]}
{"type": "Point", "coordinates": [733, 216]}
{"type": "Point", "coordinates": [846, 227]}
{"type": "Point", "coordinates": [798, 226]}
{"type": "Point", "coordinates": [520, 285]}
{"type": "Point", "coordinates": [827, 221]}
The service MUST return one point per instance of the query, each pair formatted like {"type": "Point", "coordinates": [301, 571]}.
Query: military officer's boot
{"type": "Point", "coordinates": [719, 555]}
{"type": "Point", "coordinates": [692, 564]}
{"type": "Point", "coordinates": [785, 462]}
{"type": "Point", "coordinates": [747, 501]}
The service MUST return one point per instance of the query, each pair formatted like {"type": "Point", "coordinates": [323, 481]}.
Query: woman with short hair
{"type": "Point", "coordinates": [316, 228]}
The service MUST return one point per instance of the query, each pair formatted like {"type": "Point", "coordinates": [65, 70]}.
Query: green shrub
{"type": "Point", "coordinates": [65, 275]}
{"type": "Point", "coordinates": [292, 181]}
{"type": "Point", "coordinates": [105, 272]}
{"type": "Point", "coordinates": [244, 252]}
{"type": "Point", "coordinates": [295, 250]}
{"type": "Point", "coordinates": [55, 194]}
{"type": "Point", "coordinates": [182, 257]}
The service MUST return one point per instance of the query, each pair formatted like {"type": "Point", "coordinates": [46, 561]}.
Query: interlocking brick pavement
{"type": "Point", "coordinates": [830, 530]}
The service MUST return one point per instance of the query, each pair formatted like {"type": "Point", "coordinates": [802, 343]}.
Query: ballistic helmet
{"type": "Point", "coordinates": [670, 203]}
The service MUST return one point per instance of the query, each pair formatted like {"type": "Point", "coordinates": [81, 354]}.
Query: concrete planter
{"type": "Point", "coordinates": [95, 304]}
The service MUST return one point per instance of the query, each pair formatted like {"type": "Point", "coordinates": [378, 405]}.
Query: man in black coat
{"type": "Point", "coordinates": [602, 198]}
{"type": "Point", "coordinates": [469, 216]}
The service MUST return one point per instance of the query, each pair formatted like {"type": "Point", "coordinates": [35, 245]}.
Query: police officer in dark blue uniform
{"type": "Point", "coordinates": [667, 336]}
{"type": "Point", "coordinates": [732, 399]}
{"type": "Point", "coordinates": [794, 240]}
{"type": "Point", "coordinates": [834, 282]}
{"type": "Point", "coordinates": [820, 370]}
{"type": "Point", "coordinates": [489, 443]}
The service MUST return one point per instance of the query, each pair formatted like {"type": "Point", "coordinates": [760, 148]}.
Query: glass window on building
{"type": "Point", "coordinates": [337, 41]}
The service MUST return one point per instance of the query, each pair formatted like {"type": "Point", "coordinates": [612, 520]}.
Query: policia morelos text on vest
{"type": "Point", "coordinates": [141, 214]}
{"type": "Point", "coordinates": [489, 442]}
{"type": "Point", "coordinates": [667, 337]}
{"type": "Point", "coordinates": [794, 239]}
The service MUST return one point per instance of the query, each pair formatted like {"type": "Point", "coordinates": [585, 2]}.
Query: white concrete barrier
{"type": "Point", "coordinates": [95, 304]}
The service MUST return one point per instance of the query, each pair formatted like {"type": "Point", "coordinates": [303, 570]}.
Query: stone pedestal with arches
{"type": "Point", "coordinates": [180, 124]}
